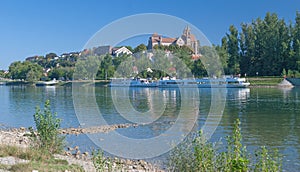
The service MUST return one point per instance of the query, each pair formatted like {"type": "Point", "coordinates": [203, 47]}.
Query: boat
{"type": "Point", "coordinates": [132, 82]}
{"type": "Point", "coordinates": [47, 83]}
{"type": "Point", "coordinates": [228, 82]}
{"type": "Point", "coordinates": [172, 82]}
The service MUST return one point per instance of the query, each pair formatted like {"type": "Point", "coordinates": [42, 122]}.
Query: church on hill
{"type": "Point", "coordinates": [187, 39]}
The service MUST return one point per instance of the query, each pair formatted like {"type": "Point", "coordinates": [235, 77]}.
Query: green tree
{"type": "Point", "coordinates": [2, 75]}
{"type": "Point", "coordinates": [87, 67]}
{"type": "Point", "coordinates": [106, 69]}
{"type": "Point", "coordinates": [129, 48]}
{"type": "Point", "coordinates": [57, 73]}
{"type": "Point", "coordinates": [140, 48]}
{"type": "Point", "coordinates": [142, 63]}
{"type": "Point", "coordinates": [211, 61]}
{"type": "Point", "coordinates": [198, 69]}
{"type": "Point", "coordinates": [233, 51]}
{"type": "Point", "coordinates": [118, 60]}
{"type": "Point", "coordinates": [124, 68]}
{"type": "Point", "coordinates": [50, 56]}
{"type": "Point", "coordinates": [25, 71]}
{"type": "Point", "coordinates": [295, 61]}
{"type": "Point", "coordinates": [247, 46]}
{"type": "Point", "coordinates": [223, 53]}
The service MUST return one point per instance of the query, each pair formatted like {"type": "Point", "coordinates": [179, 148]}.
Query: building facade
{"type": "Point", "coordinates": [187, 39]}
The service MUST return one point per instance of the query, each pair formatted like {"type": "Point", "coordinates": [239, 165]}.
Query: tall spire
{"type": "Point", "coordinates": [187, 31]}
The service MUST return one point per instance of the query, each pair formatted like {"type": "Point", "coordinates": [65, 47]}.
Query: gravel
{"type": "Point", "coordinates": [17, 137]}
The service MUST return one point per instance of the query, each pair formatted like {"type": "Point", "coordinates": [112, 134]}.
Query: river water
{"type": "Point", "coordinates": [269, 116]}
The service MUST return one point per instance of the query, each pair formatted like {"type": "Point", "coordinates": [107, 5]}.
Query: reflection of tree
{"type": "Point", "coordinates": [140, 99]}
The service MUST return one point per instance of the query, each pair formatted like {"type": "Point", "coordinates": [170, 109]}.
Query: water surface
{"type": "Point", "coordinates": [269, 116]}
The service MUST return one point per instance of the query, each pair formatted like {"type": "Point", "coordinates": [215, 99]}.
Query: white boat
{"type": "Point", "coordinates": [47, 83]}
{"type": "Point", "coordinates": [134, 82]}
{"type": "Point", "coordinates": [204, 83]}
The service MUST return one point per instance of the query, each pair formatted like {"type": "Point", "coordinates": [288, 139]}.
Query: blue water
{"type": "Point", "coordinates": [269, 116]}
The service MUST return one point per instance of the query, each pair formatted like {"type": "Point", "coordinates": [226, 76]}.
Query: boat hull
{"type": "Point", "coordinates": [183, 83]}
{"type": "Point", "coordinates": [205, 83]}
{"type": "Point", "coordinates": [47, 83]}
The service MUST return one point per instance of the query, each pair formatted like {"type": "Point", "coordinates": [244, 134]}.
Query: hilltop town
{"type": "Point", "coordinates": [62, 66]}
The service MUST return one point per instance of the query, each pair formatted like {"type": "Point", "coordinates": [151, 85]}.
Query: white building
{"type": "Point", "coordinates": [119, 51]}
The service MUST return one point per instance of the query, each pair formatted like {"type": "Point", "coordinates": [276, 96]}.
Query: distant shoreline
{"type": "Point", "coordinates": [255, 82]}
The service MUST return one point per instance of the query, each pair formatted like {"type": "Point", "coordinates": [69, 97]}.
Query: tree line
{"type": "Point", "coordinates": [264, 47]}
{"type": "Point", "coordinates": [161, 61]}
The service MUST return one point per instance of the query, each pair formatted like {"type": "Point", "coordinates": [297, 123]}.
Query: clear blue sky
{"type": "Point", "coordinates": [37, 27]}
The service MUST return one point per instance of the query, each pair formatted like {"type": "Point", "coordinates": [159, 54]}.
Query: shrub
{"type": "Point", "coordinates": [47, 135]}
{"type": "Point", "coordinates": [99, 160]}
{"type": "Point", "coordinates": [101, 163]}
{"type": "Point", "coordinates": [201, 155]}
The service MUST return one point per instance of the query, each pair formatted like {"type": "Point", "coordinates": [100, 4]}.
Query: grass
{"type": "Point", "coordinates": [264, 81]}
{"type": "Point", "coordinates": [38, 160]}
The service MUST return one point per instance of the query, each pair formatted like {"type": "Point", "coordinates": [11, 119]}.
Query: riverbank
{"type": "Point", "coordinates": [59, 83]}
{"type": "Point", "coordinates": [264, 81]}
{"type": "Point", "coordinates": [254, 82]}
{"type": "Point", "coordinates": [15, 143]}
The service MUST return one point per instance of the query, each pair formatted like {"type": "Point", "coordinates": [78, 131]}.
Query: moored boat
{"type": "Point", "coordinates": [47, 83]}
{"type": "Point", "coordinates": [134, 82]}
{"type": "Point", "coordinates": [167, 82]}
{"type": "Point", "coordinates": [228, 82]}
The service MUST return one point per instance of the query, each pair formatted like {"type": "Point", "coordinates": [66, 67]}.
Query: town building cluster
{"type": "Point", "coordinates": [186, 39]}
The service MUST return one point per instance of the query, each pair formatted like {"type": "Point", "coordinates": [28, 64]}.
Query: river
{"type": "Point", "coordinates": [269, 116]}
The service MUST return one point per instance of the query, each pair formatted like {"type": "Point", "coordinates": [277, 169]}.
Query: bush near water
{"type": "Point", "coordinates": [200, 155]}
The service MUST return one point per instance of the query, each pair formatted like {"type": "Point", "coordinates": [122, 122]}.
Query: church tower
{"type": "Point", "coordinates": [190, 40]}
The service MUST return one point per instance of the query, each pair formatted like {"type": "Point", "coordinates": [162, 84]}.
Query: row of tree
{"type": "Point", "coordinates": [264, 47]}
{"type": "Point", "coordinates": [155, 64]}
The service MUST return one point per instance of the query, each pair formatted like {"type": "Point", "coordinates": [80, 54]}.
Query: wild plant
{"type": "Point", "coordinates": [47, 135]}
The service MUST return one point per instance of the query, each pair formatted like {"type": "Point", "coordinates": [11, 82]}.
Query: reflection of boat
{"type": "Point", "coordinates": [240, 94]}
{"type": "Point", "coordinates": [204, 83]}
{"type": "Point", "coordinates": [135, 82]}
{"type": "Point", "coordinates": [47, 83]}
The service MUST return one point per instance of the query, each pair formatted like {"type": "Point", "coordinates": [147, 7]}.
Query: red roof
{"type": "Point", "coordinates": [163, 40]}
{"type": "Point", "coordinates": [196, 57]}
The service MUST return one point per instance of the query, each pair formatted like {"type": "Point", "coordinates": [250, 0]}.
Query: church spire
{"type": "Point", "coordinates": [187, 31]}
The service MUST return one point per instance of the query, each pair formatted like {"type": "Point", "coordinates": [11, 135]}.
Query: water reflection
{"type": "Point", "coordinates": [155, 109]}
{"type": "Point", "coordinates": [269, 116]}
{"type": "Point", "coordinates": [22, 100]}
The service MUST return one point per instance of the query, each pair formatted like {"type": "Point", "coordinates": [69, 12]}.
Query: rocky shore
{"type": "Point", "coordinates": [95, 129]}
{"type": "Point", "coordinates": [19, 137]}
